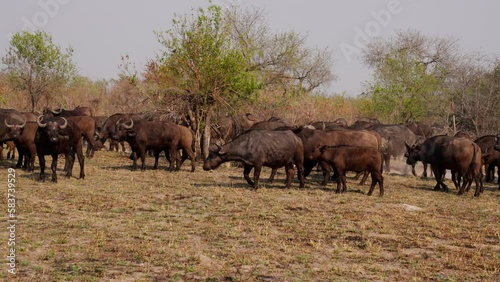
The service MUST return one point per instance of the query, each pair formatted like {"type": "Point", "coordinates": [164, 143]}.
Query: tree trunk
{"type": "Point", "coordinates": [207, 132]}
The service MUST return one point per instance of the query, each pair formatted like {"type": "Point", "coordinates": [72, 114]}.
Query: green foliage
{"type": "Point", "coordinates": [408, 80]}
{"type": "Point", "coordinates": [201, 58]}
{"type": "Point", "coordinates": [36, 66]}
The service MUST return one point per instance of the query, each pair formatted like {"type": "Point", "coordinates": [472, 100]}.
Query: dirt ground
{"type": "Point", "coordinates": [123, 225]}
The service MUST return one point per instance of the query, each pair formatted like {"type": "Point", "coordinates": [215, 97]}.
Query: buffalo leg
{"type": "Point", "coordinates": [326, 172]}
{"type": "Point", "coordinates": [246, 173]}
{"type": "Point", "coordinates": [157, 156]}
{"type": "Point", "coordinates": [308, 167]}
{"type": "Point", "coordinates": [289, 174]}
{"type": "Point", "coordinates": [344, 182]}
{"type": "Point", "coordinates": [188, 153]}
{"type": "Point", "coordinates": [41, 160]}
{"type": "Point", "coordinates": [363, 180]}
{"type": "Point", "coordinates": [133, 156]}
{"type": "Point", "coordinates": [387, 162]}
{"type": "Point", "coordinates": [175, 156]}
{"type": "Point", "coordinates": [142, 155]}
{"type": "Point", "coordinates": [81, 160]}
{"type": "Point", "coordinates": [31, 154]}
{"type": "Point", "coordinates": [300, 173]}
{"type": "Point", "coordinates": [70, 160]}
{"type": "Point", "coordinates": [53, 167]}
{"type": "Point", "coordinates": [273, 174]}
{"type": "Point", "coordinates": [424, 173]}
{"type": "Point", "coordinates": [256, 175]}
{"type": "Point", "coordinates": [377, 178]}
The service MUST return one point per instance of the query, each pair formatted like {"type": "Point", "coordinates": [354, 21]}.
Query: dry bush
{"type": "Point", "coordinates": [300, 110]}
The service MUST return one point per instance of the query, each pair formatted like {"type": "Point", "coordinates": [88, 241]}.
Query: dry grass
{"type": "Point", "coordinates": [119, 225]}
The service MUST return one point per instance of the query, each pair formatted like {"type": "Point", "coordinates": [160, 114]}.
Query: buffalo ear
{"type": "Point", "coordinates": [131, 133]}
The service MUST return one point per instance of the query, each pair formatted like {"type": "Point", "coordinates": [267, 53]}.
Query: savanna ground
{"type": "Point", "coordinates": [122, 225]}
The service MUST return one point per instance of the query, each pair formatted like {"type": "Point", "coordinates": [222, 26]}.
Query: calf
{"type": "Point", "coordinates": [345, 158]}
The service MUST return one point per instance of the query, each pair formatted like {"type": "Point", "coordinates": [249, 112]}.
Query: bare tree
{"type": "Point", "coordinates": [283, 60]}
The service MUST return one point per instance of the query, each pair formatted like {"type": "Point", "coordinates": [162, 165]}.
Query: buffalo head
{"type": "Point", "coordinates": [316, 152]}
{"type": "Point", "coordinates": [15, 129]}
{"type": "Point", "coordinates": [412, 153]}
{"type": "Point", "coordinates": [215, 158]}
{"type": "Point", "coordinates": [121, 130]}
{"type": "Point", "coordinates": [52, 128]}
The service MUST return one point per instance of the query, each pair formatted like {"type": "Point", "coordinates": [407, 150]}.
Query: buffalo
{"type": "Point", "coordinates": [457, 154]}
{"type": "Point", "coordinates": [312, 138]}
{"type": "Point", "coordinates": [26, 146]}
{"type": "Point", "coordinates": [396, 136]}
{"type": "Point", "coordinates": [486, 142]}
{"type": "Point", "coordinates": [78, 111]}
{"type": "Point", "coordinates": [258, 148]}
{"type": "Point", "coordinates": [103, 130]}
{"type": "Point", "coordinates": [144, 135]}
{"type": "Point", "coordinates": [59, 136]}
{"type": "Point", "coordinates": [345, 158]}
{"type": "Point", "coordinates": [11, 124]}
{"type": "Point", "coordinates": [491, 158]}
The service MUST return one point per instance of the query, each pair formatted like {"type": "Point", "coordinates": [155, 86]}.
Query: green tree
{"type": "Point", "coordinates": [36, 66]}
{"type": "Point", "coordinates": [409, 76]}
{"type": "Point", "coordinates": [200, 58]}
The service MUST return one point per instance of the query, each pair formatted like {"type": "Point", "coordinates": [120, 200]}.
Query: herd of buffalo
{"type": "Point", "coordinates": [365, 147]}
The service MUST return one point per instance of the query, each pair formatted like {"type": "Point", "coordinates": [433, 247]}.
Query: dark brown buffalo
{"type": "Point", "coordinates": [113, 144]}
{"type": "Point", "coordinates": [345, 158]}
{"type": "Point", "coordinates": [364, 123]}
{"type": "Point", "coordinates": [30, 116]}
{"type": "Point", "coordinates": [103, 131]}
{"type": "Point", "coordinates": [396, 136]}
{"type": "Point", "coordinates": [313, 138]}
{"type": "Point", "coordinates": [85, 111]}
{"type": "Point", "coordinates": [325, 125]}
{"type": "Point", "coordinates": [491, 158]}
{"type": "Point", "coordinates": [421, 129]}
{"type": "Point", "coordinates": [444, 152]}
{"type": "Point", "coordinates": [11, 124]}
{"type": "Point", "coordinates": [186, 146]}
{"type": "Point", "coordinates": [268, 125]}
{"type": "Point", "coordinates": [78, 111]}
{"type": "Point", "coordinates": [258, 148]}
{"type": "Point", "coordinates": [486, 142]}
{"type": "Point", "coordinates": [144, 135]}
{"type": "Point", "coordinates": [87, 126]}
{"type": "Point", "coordinates": [226, 128]}
{"type": "Point", "coordinates": [26, 146]}
{"type": "Point", "coordinates": [59, 136]}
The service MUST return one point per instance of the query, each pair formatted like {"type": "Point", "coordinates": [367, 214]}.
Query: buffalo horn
{"type": "Point", "coordinates": [39, 121]}
{"type": "Point", "coordinates": [129, 126]}
{"type": "Point", "coordinates": [8, 125]}
{"type": "Point", "coordinates": [57, 111]}
{"type": "Point", "coordinates": [63, 126]}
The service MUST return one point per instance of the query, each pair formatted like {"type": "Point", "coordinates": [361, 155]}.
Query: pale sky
{"type": "Point", "coordinates": [101, 31]}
